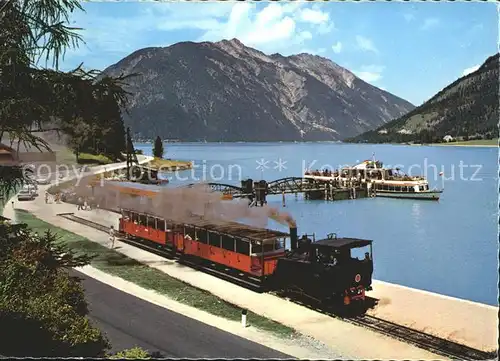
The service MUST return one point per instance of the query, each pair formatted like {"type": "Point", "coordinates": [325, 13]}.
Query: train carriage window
{"type": "Point", "coordinates": [242, 246]}
{"type": "Point", "coordinates": [279, 243]}
{"type": "Point", "coordinates": [190, 231]}
{"type": "Point", "coordinates": [135, 217]}
{"type": "Point", "coordinates": [214, 239]}
{"type": "Point", "coordinates": [256, 248]}
{"type": "Point", "coordinates": [228, 242]}
{"type": "Point", "coordinates": [269, 247]}
{"type": "Point", "coordinates": [142, 219]}
{"type": "Point", "coordinates": [160, 224]}
{"type": "Point", "coordinates": [150, 222]}
{"type": "Point", "coordinates": [202, 235]}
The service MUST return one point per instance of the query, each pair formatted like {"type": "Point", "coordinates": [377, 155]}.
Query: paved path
{"type": "Point", "coordinates": [129, 321]}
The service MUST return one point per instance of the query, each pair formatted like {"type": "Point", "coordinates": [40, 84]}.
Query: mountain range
{"type": "Point", "coordinates": [226, 91]}
{"type": "Point", "coordinates": [466, 109]}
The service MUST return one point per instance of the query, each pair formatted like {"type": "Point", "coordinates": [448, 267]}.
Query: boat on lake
{"type": "Point", "coordinates": [380, 181]}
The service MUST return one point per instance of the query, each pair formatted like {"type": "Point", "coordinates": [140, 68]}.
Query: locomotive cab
{"type": "Point", "coordinates": [330, 270]}
{"type": "Point", "coordinates": [351, 260]}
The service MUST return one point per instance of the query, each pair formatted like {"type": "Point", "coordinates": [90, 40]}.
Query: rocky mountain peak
{"type": "Point", "coordinates": [229, 91]}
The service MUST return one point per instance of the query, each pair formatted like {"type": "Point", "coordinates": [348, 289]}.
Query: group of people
{"type": "Point", "coordinates": [323, 172]}
{"type": "Point", "coordinates": [57, 198]}
{"type": "Point", "coordinates": [83, 204]}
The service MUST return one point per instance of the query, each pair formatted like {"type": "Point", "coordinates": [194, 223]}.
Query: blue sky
{"type": "Point", "coordinates": [412, 50]}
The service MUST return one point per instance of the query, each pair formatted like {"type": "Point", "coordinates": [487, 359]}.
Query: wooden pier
{"type": "Point", "coordinates": [312, 189]}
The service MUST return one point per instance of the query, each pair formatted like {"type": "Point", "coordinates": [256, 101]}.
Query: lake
{"type": "Point", "coordinates": [449, 247]}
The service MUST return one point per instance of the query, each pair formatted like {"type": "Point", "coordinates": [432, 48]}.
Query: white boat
{"type": "Point", "coordinates": [380, 181]}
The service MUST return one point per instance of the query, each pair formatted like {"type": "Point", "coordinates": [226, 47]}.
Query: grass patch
{"type": "Point", "coordinates": [488, 142]}
{"type": "Point", "coordinates": [117, 264]}
{"type": "Point", "coordinates": [86, 158]}
{"type": "Point", "coordinates": [169, 164]}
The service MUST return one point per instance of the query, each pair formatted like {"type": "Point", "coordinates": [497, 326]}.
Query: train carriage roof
{"type": "Point", "coordinates": [231, 228]}
{"type": "Point", "coordinates": [344, 242]}
{"type": "Point", "coordinates": [240, 230]}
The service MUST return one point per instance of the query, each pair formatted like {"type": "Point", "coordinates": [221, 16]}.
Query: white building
{"type": "Point", "coordinates": [404, 131]}
{"type": "Point", "coordinates": [447, 138]}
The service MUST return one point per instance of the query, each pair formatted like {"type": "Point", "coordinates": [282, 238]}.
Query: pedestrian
{"type": "Point", "coordinates": [112, 236]}
{"type": "Point", "coordinates": [79, 204]}
{"type": "Point", "coordinates": [85, 205]}
{"type": "Point", "coordinates": [46, 197]}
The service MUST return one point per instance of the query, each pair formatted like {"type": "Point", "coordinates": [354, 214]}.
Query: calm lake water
{"type": "Point", "coordinates": [449, 247]}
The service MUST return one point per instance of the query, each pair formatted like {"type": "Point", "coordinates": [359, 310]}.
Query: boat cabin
{"type": "Point", "coordinates": [405, 188]}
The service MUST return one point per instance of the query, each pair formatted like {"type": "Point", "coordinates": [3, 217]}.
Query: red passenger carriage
{"type": "Point", "coordinates": [251, 250]}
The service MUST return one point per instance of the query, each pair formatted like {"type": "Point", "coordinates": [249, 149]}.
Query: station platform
{"type": "Point", "coordinates": [465, 322]}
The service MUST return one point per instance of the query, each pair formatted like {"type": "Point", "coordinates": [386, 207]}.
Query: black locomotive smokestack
{"type": "Point", "coordinates": [294, 238]}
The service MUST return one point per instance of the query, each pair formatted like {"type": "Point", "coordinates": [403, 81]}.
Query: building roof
{"type": "Point", "coordinates": [344, 242]}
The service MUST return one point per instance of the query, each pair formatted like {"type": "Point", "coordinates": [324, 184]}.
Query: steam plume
{"type": "Point", "coordinates": [184, 204]}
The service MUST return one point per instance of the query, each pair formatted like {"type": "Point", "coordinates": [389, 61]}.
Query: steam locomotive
{"type": "Point", "coordinates": [325, 270]}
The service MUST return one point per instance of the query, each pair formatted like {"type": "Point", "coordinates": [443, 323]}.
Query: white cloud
{"type": "Point", "coordinates": [274, 27]}
{"type": "Point", "coordinates": [337, 47]}
{"type": "Point", "coordinates": [270, 25]}
{"type": "Point", "coordinates": [365, 44]}
{"type": "Point", "coordinates": [314, 16]}
{"type": "Point", "coordinates": [472, 69]}
{"type": "Point", "coordinates": [430, 23]}
{"type": "Point", "coordinates": [370, 73]}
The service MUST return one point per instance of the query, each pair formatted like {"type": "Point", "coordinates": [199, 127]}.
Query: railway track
{"type": "Point", "coordinates": [420, 339]}
{"type": "Point", "coordinates": [434, 344]}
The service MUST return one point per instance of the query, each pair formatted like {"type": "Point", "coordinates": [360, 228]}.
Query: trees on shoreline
{"type": "Point", "coordinates": [158, 150]}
